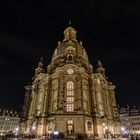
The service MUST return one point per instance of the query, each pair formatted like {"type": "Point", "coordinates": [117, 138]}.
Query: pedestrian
{"type": "Point", "coordinates": [136, 137]}
{"type": "Point", "coordinates": [132, 137]}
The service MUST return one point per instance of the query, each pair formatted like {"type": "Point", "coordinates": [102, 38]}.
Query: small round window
{"type": "Point", "coordinates": [70, 71]}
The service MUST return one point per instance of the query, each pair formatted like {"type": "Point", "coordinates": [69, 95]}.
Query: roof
{"type": "Point", "coordinates": [9, 112]}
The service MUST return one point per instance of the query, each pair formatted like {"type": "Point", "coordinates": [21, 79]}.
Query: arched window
{"type": "Point", "coordinates": [69, 88]}
{"type": "Point", "coordinates": [69, 122]}
{"type": "Point", "coordinates": [70, 127]}
{"type": "Point", "coordinates": [70, 96]}
{"type": "Point", "coordinates": [70, 57]}
{"type": "Point", "coordinates": [89, 126]}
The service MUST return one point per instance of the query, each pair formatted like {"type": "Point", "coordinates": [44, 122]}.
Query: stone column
{"type": "Point", "coordinates": [78, 95]}
{"type": "Point", "coordinates": [60, 95]}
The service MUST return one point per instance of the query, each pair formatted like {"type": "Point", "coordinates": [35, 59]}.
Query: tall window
{"type": "Point", "coordinates": [70, 96]}
{"type": "Point", "coordinates": [70, 88]}
{"type": "Point", "coordinates": [70, 127]}
{"type": "Point", "coordinates": [89, 126]}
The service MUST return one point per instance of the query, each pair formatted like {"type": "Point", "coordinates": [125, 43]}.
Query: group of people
{"type": "Point", "coordinates": [135, 137]}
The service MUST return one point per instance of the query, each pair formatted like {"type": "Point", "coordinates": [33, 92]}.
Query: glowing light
{"type": "Point", "coordinates": [16, 134]}
{"type": "Point", "coordinates": [55, 132]}
{"type": "Point", "coordinates": [33, 127]}
{"type": "Point", "coordinates": [17, 129]}
{"type": "Point", "coordinates": [106, 127]}
{"type": "Point", "coordinates": [1, 134]}
{"type": "Point", "coordinates": [122, 129]}
{"type": "Point", "coordinates": [103, 124]}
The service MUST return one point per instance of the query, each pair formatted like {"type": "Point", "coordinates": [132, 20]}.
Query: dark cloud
{"type": "Point", "coordinates": [18, 45]}
{"type": "Point", "coordinates": [118, 54]}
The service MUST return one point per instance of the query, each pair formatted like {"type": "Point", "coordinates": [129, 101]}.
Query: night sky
{"type": "Point", "coordinates": [109, 30]}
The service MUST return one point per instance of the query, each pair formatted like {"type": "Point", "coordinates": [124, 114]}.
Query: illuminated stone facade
{"type": "Point", "coordinates": [130, 120]}
{"type": "Point", "coordinates": [69, 97]}
{"type": "Point", "coordinates": [9, 121]}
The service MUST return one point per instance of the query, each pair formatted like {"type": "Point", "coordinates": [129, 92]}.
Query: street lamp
{"type": "Point", "coordinates": [56, 133]}
{"type": "Point", "coordinates": [16, 131]}
{"type": "Point", "coordinates": [33, 127]}
{"type": "Point", "coordinates": [34, 130]}
{"type": "Point", "coordinates": [123, 129]}
{"type": "Point", "coordinates": [104, 129]}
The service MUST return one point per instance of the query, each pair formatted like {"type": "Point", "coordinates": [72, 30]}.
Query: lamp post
{"type": "Point", "coordinates": [106, 131]}
{"type": "Point", "coordinates": [38, 118]}
{"type": "Point", "coordinates": [103, 124]}
{"type": "Point", "coordinates": [105, 128]}
{"type": "Point", "coordinates": [123, 129]}
{"type": "Point", "coordinates": [34, 128]}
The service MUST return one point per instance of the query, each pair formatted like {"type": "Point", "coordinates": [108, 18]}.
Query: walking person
{"type": "Point", "coordinates": [132, 137]}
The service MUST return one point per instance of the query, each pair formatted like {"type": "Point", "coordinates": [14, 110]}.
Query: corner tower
{"type": "Point", "coordinates": [69, 97]}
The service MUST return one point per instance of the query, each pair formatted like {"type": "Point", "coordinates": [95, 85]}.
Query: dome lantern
{"type": "Point", "coordinates": [70, 34]}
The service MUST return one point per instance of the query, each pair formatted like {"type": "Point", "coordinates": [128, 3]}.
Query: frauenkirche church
{"type": "Point", "coordinates": [69, 97]}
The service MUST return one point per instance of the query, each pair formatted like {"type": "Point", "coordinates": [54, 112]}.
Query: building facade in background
{"type": "Point", "coordinates": [69, 97]}
{"type": "Point", "coordinates": [130, 120]}
{"type": "Point", "coordinates": [9, 121]}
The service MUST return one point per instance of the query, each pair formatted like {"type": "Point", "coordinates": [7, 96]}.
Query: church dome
{"type": "Point", "coordinates": [69, 51]}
